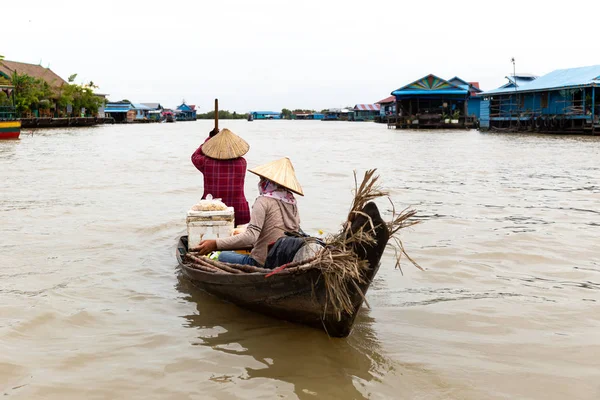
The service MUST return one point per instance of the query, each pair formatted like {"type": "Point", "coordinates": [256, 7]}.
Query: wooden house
{"type": "Point", "coordinates": [141, 111]}
{"type": "Point", "coordinates": [365, 112]}
{"type": "Point", "coordinates": [8, 68]}
{"type": "Point", "coordinates": [310, 116]}
{"type": "Point", "coordinates": [338, 114]}
{"type": "Point", "coordinates": [185, 112]}
{"type": "Point", "coordinates": [387, 106]}
{"type": "Point", "coordinates": [121, 112]}
{"type": "Point", "coordinates": [265, 114]}
{"type": "Point", "coordinates": [432, 102]}
{"type": "Point", "coordinates": [155, 111]}
{"type": "Point", "coordinates": [564, 101]}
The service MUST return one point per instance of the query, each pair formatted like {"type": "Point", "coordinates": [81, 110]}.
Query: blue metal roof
{"type": "Point", "coordinates": [460, 83]}
{"type": "Point", "coordinates": [430, 85]}
{"type": "Point", "coordinates": [119, 106]}
{"type": "Point", "coordinates": [116, 110]}
{"type": "Point", "coordinates": [266, 112]}
{"type": "Point", "coordinates": [141, 107]}
{"type": "Point", "coordinates": [559, 79]}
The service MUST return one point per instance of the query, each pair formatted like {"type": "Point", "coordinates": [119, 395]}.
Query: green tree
{"type": "Point", "coordinates": [223, 114]}
{"type": "Point", "coordinates": [287, 114]}
{"type": "Point", "coordinates": [29, 92]}
{"type": "Point", "coordinates": [4, 100]}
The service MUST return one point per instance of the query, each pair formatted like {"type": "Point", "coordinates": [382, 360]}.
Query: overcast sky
{"type": "Point", "coordinates": [268, 54]}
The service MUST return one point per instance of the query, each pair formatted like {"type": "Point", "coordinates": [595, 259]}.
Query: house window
{"type": "Point", "coordinates": [544, 100]}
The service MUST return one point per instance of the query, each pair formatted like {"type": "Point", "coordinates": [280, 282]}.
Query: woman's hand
{"type": "Point", "coordinates": [206, 246]}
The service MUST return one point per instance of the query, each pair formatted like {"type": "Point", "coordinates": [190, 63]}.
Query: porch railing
{"type": "Point", "coordinates": [7, 112]}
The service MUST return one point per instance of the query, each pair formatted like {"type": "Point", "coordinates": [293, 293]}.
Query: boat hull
{"type": "Point", "coordinates": [10, 129]}
{"type": "Point", "coordinates": [298, 296]}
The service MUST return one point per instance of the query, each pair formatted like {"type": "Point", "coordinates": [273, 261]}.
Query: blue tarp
{"type": "Point", "coordinates": [559, 79]}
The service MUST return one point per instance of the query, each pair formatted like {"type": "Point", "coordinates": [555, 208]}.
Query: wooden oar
{"type": "Point", "coordinates": [216, 114]}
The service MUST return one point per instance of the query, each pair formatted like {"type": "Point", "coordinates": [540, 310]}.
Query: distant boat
{"type": "Point", "coordinates": [10, 129]}
{"type": "Point", "coordinates": [10, 126]}
{"type": "Point", "coordinates": [169, 116]}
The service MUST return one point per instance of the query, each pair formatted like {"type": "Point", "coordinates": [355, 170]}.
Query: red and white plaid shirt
{"type": "Point", "coordinates": [224, 179]}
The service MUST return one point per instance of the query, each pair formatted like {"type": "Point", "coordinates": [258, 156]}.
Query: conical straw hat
{"type": "Point", "coordinates": [225, 145]}
{"type": "Point", "coordinates": [280, 172]}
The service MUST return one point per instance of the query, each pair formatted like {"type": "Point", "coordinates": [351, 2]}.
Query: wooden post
{"type": "Point", "coordinates": [216, 114]}
{"type": "Point", "coordinates": [593, 103]}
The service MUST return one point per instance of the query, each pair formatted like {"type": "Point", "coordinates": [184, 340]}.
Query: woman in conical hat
{"type": "Point", "coordinates": [220, 159]}
{"type": "Point", "coordinates": [274, 212]}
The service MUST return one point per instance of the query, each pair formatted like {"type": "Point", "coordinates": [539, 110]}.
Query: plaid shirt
{"type": "Point", "coordinates": [224, 179]}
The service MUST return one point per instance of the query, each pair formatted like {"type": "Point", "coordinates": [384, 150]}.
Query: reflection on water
{"type": "Point", "coordinates": [346, 366]}
{"type": "Point", "coordinates": [508, 305]}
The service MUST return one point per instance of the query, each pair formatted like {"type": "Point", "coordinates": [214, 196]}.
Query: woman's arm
{"type": "Point", "coordinates": [198, 158]}
{"type": "Point", "coordinates": [250, 236]}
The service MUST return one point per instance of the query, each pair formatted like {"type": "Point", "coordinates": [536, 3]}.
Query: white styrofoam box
{"type": "Point", "coordinates": [203, 225]}
{"type": "Point", "coordinates": [225, 213]}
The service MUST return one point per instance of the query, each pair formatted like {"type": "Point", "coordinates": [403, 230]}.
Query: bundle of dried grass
{"type": "Point", "coordinates": [342, 268]}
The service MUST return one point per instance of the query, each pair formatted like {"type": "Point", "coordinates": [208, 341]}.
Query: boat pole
{"type": "Point", "coordinates": [216, 114]}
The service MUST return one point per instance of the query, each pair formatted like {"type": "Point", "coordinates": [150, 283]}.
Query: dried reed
{"type": "Point", "coordinates": [341, 267]}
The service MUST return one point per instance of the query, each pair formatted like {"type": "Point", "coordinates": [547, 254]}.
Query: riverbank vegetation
{"type": "Point", "coordinates": [223, 114]}
{"type": "Point", "coordinates": [34, 97]}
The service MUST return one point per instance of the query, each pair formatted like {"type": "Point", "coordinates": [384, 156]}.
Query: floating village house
{"type": "Point", "coordinates": [8, 68]}
{"type": "Point", "coordinates": [121, 112]}
{"type": "Point", "coordinates": [387, 106]}
{"type": "Point", "coordinates": [432, 102]}
{"type": "Point", "coordinates": [155, 111]}
{"type": "Point", "coordinates": [265, 114]}
{"type": "Point", "coordinates": [365, 112]}
{"type": "Point", "coordinates": [141, 111]}
{"type": "Point", "coordinates": [185, 112]}
{"type": "Point", "coordinates": [305, 115]}
{"type": "Point", "coordinates": [565, 100]}
{"type": "Point", "coordinates": [338, 114]}
{"type": "Point", "coordinates": [50, 110]}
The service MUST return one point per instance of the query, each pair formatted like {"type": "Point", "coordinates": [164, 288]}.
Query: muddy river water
{"type": "Point", "coordinates": [92, 305]}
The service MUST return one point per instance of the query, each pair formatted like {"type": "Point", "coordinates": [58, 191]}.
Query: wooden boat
{"type": "Point", "coordinates": [297, 294]}
{"type": "Point", "coordinates": [10, 129]}
{"type": "Point", "coordinates": [10, 125]}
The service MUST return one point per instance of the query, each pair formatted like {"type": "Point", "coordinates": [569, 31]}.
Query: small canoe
{"type": "Point", "coordinates": [296, 294]}
{"type": "Point", "coordinates": [10, 129]}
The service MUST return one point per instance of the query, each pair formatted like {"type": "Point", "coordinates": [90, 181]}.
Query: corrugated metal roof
{"type": "Point", "coordinates": [154, 106]}
{"type": "Point", "coordinates": [367, 107]}
{"type": "Point", "coordinates": [141, 107]}
{"type": "Point", "coordinates": [431, 92]}
{"type": "Point", "coordinates": [559, 79]}
{"type": "Point", "coordinates": [120, 106]}
{"type": "Point", "coordinates": [266, 112]}
{"type": "Point", "coordinates": [389, 99]}
{"type": "Point", "coordinates": [430, 84]}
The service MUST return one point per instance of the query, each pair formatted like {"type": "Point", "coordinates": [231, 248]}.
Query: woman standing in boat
{"type": "Point", "coordinates": [220, 160]}
{"type": "Point", "coordinates": [274, 212]}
